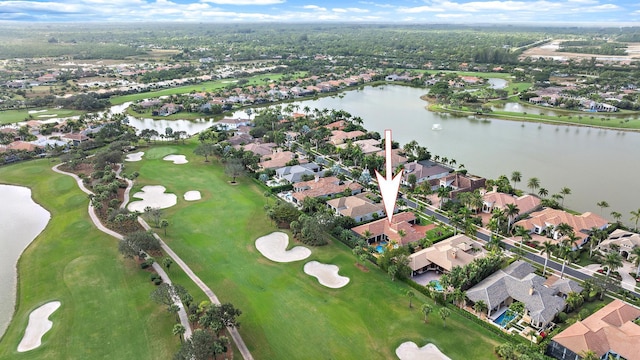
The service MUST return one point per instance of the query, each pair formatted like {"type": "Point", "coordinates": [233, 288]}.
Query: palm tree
{"type": "Point", "coordinates": [564, 191]}
{"type": "Point", "coordinates": [574, 300]}
{"type": "Point", "coordinates": [589, 355]}
{"type": "Point", "coordinates": [458, 297]}
{"type": "Point", "coordinates": [543, 193]}
{"type": "Point", "coordinates": [547, 249]}
{"type": "Point", "coordinates": [602, 205]}
{"type": "Point", "coordinates": [480, 306]}
{"type": "Point", "coordinates": [516, 177]}
{"type": "Point", "coordinates": [563, 229]}
{"type": "Point", "coordinates": [410, 295]}
{"type": "Point", "coordinates": [442, 193]}
{"type": "Point", "coordinates": [179, 330]}
{"type": "Point", "coordinates": [444, 314]}
{"type": "Point", "coordinates": [636, 259]}
{"type": "Point", "coordinates": [616, 216]}
{"type": "Point", "coordinates": [533, 184]}
{"type": "Point", "coordinates": [564, 249]}
{"type": "Point", "coordinates": [612, 261]}
{"type": "Point", "coordinates": [635, 216]}
{"type": "Point", "coordinates": [596, 235]}
{"type": "Point", "coordinates": [511, 211]}
{"type": "Point", "coordinates": [426, 309]}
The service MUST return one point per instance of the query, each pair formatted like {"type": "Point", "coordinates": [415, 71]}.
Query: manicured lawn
{"type": "Point", "coordinates": [13, 116]}
{"type": "Point", "coordinates": [106, 312]}
{"type": "Point", "coordinates": [286, 313]}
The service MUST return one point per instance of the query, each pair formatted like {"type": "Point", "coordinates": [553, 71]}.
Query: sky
{"type": "Point", "coordinates": [543, 12]}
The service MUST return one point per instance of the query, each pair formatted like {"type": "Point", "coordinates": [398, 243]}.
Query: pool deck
{"type": "Point", "coordinates": [424, 278]}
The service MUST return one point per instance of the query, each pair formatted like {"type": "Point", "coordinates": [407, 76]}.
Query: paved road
{"type": "Point", "coordinates": [484, 235]}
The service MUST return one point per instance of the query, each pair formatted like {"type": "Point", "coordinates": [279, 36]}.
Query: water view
{"type": "Point", "coordinates": [21, 220]}
{"type": "Point", "coordinates": [586, 160]}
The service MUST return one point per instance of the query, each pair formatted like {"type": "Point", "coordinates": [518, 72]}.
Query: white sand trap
{"type": "Point", "coordinates": [274, 248]}
{"type": "Point", "coordinates": [327, 274]}
{"type": "Point", "coordinates": [153, 196]}
{"type": "Point", "coordinates": [47, 115]}
{"type": "Point", "coordinates": [410, 351]}
{"type": "Point", "coordinates": [135, 156]}
{"type": "Point", "coordinates": [36, 111]}
{"type": "Point", "coordinates": [192, 195]}
{"type": "Point", "coordinates": [177, 159]}
{"type": "Point", "coordinates": [38, 325]}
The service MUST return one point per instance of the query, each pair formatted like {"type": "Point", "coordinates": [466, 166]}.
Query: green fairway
{"type": "Point", "coordinates": [106, 312]}
{"type": "Point", "coordinates": [286, 313]}
{"type": "Point", "coordinates": [14, 116]}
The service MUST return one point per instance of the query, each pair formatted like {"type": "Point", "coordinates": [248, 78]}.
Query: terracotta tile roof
{"type": "Point", "coordinates": [22, 145]}
{"type": "Point", "coordinates": [327, 186]}
{"type": "Point", "coordinates": [525, 203]}
{"type": "Point", "coordinates": [277, 160]}
{"type": "Point", "coordinates": [339, 136]}
{"type": "Point", "coordinates": [356, 206]}
{"type": "Point", "coordinates": [610, 328]}
{"type": "Point", "coordinates": [396, 157]}
{"type": "Point", "coordinates": [400, 221]}
{"type": "Point", "coordinates": [458, 250]}
{"type": "Point", "coordinates": [258, 149]}
{"type": "Point", "coordinates": [553, 217]}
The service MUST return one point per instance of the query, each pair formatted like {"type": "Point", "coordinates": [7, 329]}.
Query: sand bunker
{"type": "Point", "coordinates": [153, 196]}
{"type": "Point", "coordinates": [177, 159]}
{"type": "Point", "coordinates": [134, 157]}
{"type": "Point", "coordinates": [274, 248]}
{"type": "Point", "coordinates": [327, 274]}
{"type": "Point", "coordinates": [410, 351]}
{"type": "Point", "coordinates": [39, 324]}
{"type": "Point", "coordinates": [192, 195]}
{"type": "Point", "coordinates": [36, 111]}
{"type": "Point", "coordinates": [47, 115]}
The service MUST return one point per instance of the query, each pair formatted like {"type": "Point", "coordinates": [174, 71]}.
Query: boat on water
{"type": "Point", "coordinates": [436, 127]}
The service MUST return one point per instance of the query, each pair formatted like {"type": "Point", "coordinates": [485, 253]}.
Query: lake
{"type": "Point", "coordinates": [21, 220]}
{"type": "Point", "coordinates": [595, 164]}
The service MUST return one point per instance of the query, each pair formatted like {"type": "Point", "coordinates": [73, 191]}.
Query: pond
{"type": "Point", "coordinates": [21, 220]}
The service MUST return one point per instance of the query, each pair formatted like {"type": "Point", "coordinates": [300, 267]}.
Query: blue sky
{"type": "Point", "coordinates": [563, 12]}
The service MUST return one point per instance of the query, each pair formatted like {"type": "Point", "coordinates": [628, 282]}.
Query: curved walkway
{"type": "Point", "coordinates": [182, 314]}
{"type": "Point", "coordinates": [235, 335]}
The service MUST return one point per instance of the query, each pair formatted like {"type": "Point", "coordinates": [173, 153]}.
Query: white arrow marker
{"type": "Point", "coordinates": [389, 186]}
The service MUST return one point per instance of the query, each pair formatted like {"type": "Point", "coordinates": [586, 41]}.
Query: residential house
{"type": "Point", "coordinates": [277, 160]}
{"type": "Point", "coordinates": [21, 145]}
{"type": "Point", "coordinates": [167, 109]}
{"type": "Point", "coordinates": [367, 146]}
{"type": "Point", "coordinates": [232, 124]}
{"type": "Point", "coordinates": [397, 157]}
{"type": "Point", "coordinates": [610, 333]}
{"type": "Point", "coordinates": [293, 174]}
{"type": "Point", "coordinates": [257, 148]}
{"type": "Point", "coordinates": [358, 207]}
{"type": "Point", "coordinates": [424, 170]}
{"type": "Point", "coordinates": [548, 219]}
{"type": "Point", "coordinates": [75, 139]}
{"type": "Point", "coordinates": [625, 241]}
{"type": "Point", "coordinates": [496, 200]}
{"type": "Point", "coordinates": [403, 229]}
{"type": "Point", "coordinates": [458, 250]}
{"type": "Point", "coordinates": [459, 183]}
{"type": "Point", "coordinates": [338, 136]}
{"type": "Point", "coordinates": [240, 139]}
{"type": "Point", "coordinates": [323, 187]}
{"type": "Point", "coordinates": [518, 282]}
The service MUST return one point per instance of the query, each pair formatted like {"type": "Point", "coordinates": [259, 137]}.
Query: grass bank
{"type": "Point", "coordinates": [106, 311]}
{"type": "Point", "coordinates": [14, 116]}
{"type": "Point", "coordinates": [286, 313]}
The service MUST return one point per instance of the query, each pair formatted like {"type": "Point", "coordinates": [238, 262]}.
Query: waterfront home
{"type": "Point", "coordinates": [338, 136]}
{"type": "Point", "coordinates": [424, 170]}
{"type": "Point", "coordinates": [358, 207]}
{"type": "Point", "coordinates": [367, 146]}
{"type": "Point", "coordinates": [610, 333]}
{"type": "Point", "coordinates": [518, 282]}
{"type": "Point", "coordinates": [277, 160]}
{"type": "Point", "coordinates": [459, 182]}
{"type": "Point", "coordinates": [459, 250]}
{"type": "Point", "coordinates": [403, 229]}
{"type": "Point", "coordinates": [547, 220]}
{"type": "Point", "coordinates": [621, 240]}
{"type": "Point", "coordinates": [231, 124]}
{"type": "Point", "coordinates": [397, 157]}
{"type": "Point", "coordinates": [324, 187]}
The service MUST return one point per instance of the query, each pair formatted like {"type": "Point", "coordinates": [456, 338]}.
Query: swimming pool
{"type": "Point", "coordinates": [437, 285]}
{"type": "Point", "coordinates": [504, 318]}
{"type": "Point", "coordinates": [380, 248]}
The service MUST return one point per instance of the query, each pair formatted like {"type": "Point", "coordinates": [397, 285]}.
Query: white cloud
{"type": "Point", "coordinates": [353, 10]}
{"type": "Point", "coordinates": [244, 2]}
{"type": "Point", "coordinates": [420, 9]}
{"type": "Point", "coordinates": [314, 7]}
{"type": "Point", "coordinates": [452, 16]}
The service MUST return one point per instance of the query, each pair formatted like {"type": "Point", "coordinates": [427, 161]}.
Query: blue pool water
{"type": "Point", "coordinates": [504, 319]}
{"type": "Point", "coordinates": [380, 248]}
{"type": "Point", "coordinates": [437, 286]}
